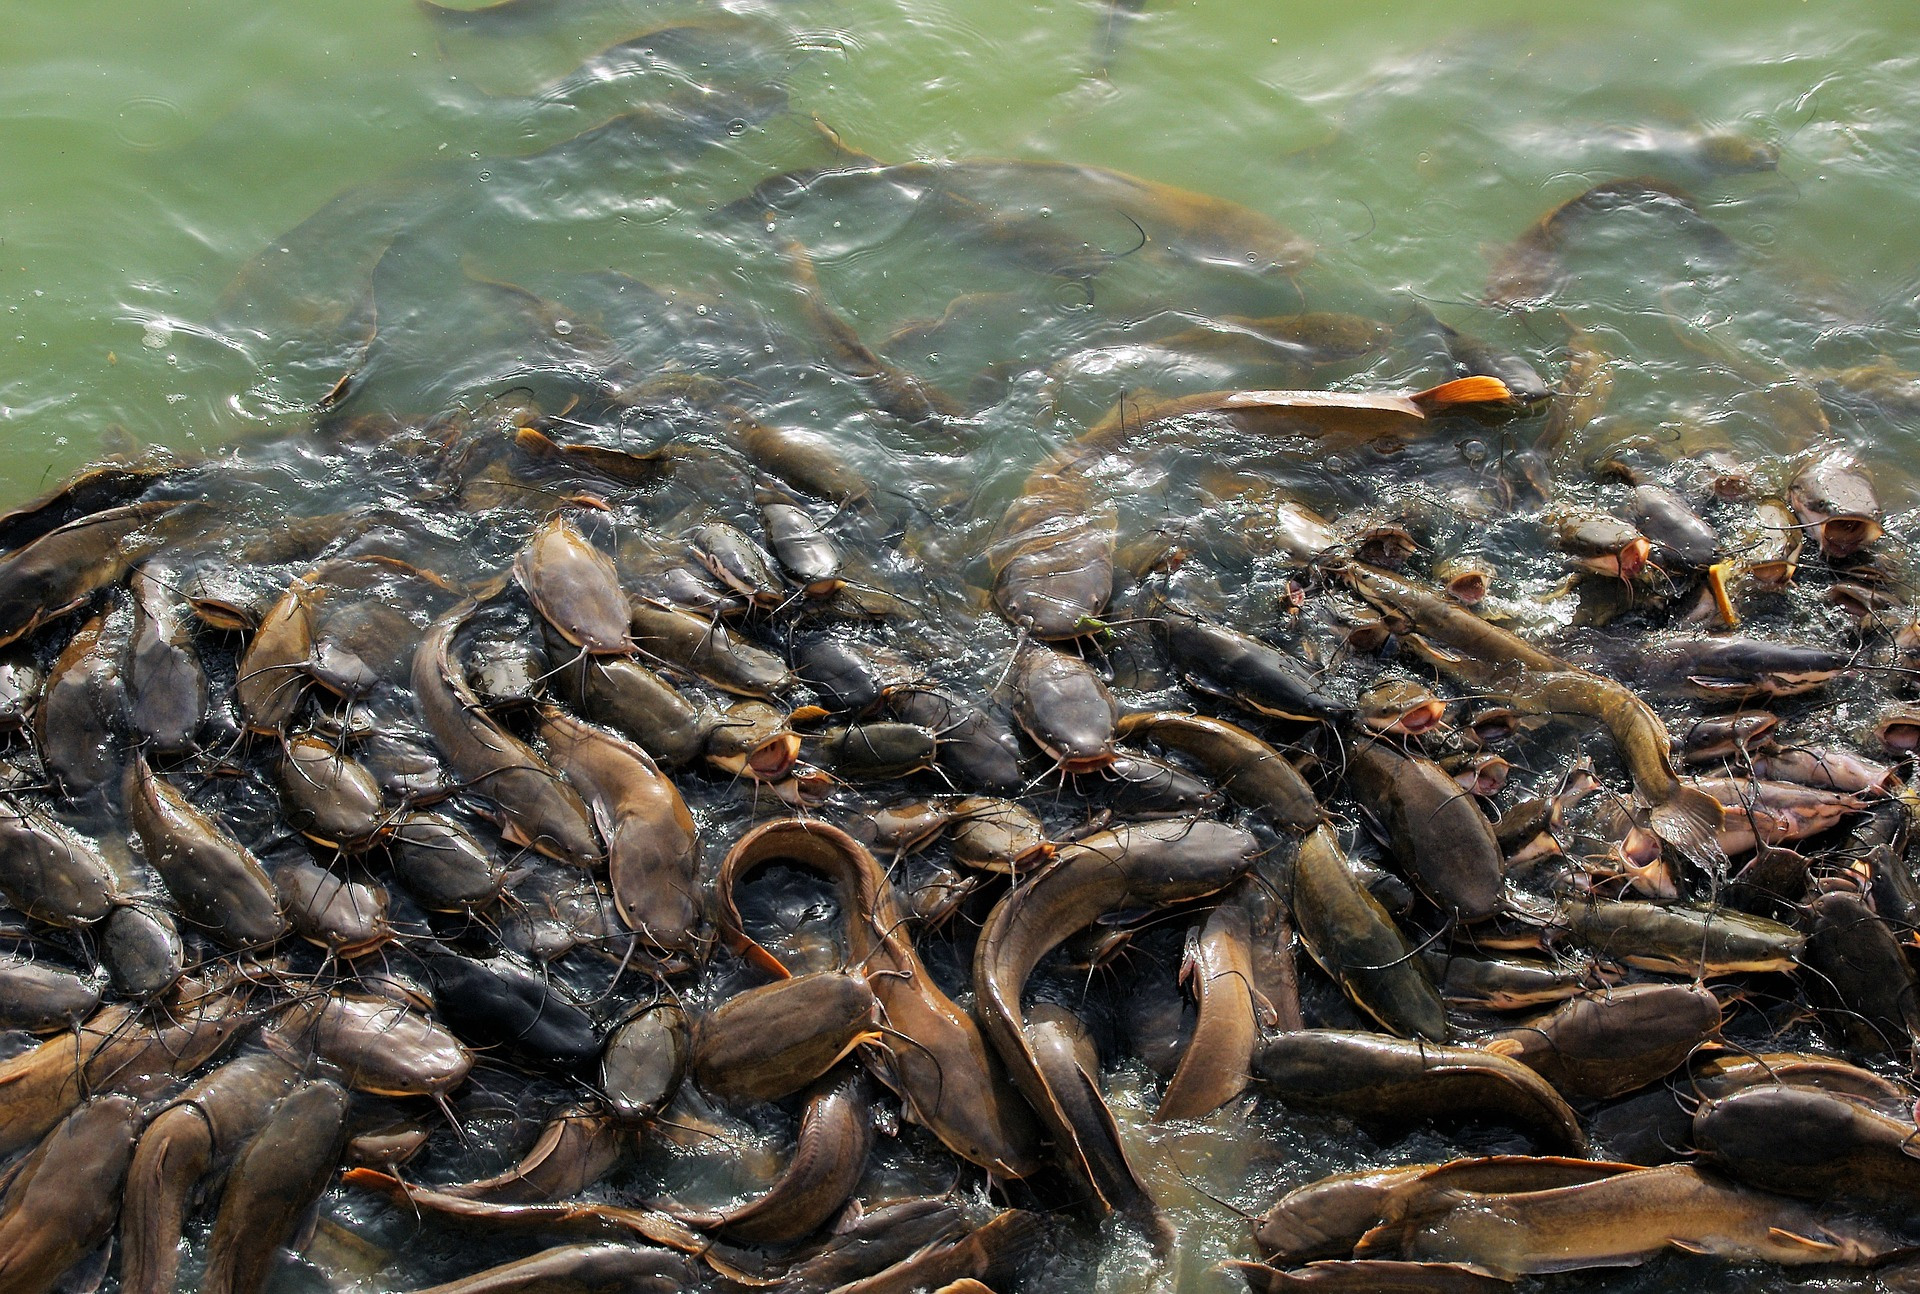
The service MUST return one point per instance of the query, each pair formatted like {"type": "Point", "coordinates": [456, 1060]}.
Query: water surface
{"type": "Point", "coordinates": [213, 212]}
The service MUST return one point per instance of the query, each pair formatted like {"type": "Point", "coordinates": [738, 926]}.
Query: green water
{"type": "Point", "coordinates": [201, 203]}
{"type": "Point", "coordinates": [151, 152]}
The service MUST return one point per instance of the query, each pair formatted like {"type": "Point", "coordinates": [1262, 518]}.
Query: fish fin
{"type": "Point", "coordinates": [1190, 964]}
{"type": "Point", "coordinates": [855, 1043]}
{"type": "Point", "coordinates": [1688, 1247]}
{"type": "Point", "coordinates": [1719, 686]}
{"type": "Point", "coordinates": [844, 154]}
{"type": "Point", "coordinates": [1463, 390]}
{"type": "Point", "coordinates": [535, 444]}
{"type": "Point", "coordinates": [1801, 1242]}
{"type": "Point", "coordinates": [1119, 1185]}
{"type": "Point", "coordinates": [1385, 1239]}
{"type": "Point", "coordinates": [1503, 1047]}
{"type": "Point", "coordinates": [1688, 820]}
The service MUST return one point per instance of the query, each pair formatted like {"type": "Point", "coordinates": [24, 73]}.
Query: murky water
{"type": "Point", "coordinates": [211, 215]}
{"type": "Point", "coordinates": [149, 167]}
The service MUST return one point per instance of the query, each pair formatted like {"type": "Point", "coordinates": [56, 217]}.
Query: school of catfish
{"type": "Point", "coordinates": [608, 750]}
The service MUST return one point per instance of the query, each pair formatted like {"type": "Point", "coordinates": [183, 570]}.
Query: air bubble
{"type": "Point", "coordinates": [1072, 296]}
{"type": "Point", "coordinates": [562, 327]}
{"type": "Point", "coordinates": [148, 122]}
{"type": "Point", "coordinates": [1474, 452]}
{"type": "Point", "coordinates": [736, 127]}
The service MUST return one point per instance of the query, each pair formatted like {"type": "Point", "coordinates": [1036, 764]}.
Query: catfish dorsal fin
{"type": "Point", "coordinates": [1463, 390]}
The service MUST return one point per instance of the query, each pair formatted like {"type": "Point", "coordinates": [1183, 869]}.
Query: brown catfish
{"type": "Point", "coordinates": [379, 1045]}
{"type": "Point", "coordinates": [575, 588]}
{"type": "Point", "coordinates": [771, 1041]}
{"type": "Point", "coordinates": [40, 998]}
{"type": "Point", "coordinates": [277, 665]}
{"type": "Point", "coordinates": [117, 1044]}
{"type": "Point", "coordinates": [280, 1173]}
{"type": "Point", "coordinates": [634, 701]}
{"type": "Point", "coordinates": [75, 722]}
{"type": "Point", "coordinates": [1683, 938]}
{"type": "Point", "coordinates": [1052, 557]}
{"type": "Point", "coordinates": [87, 493]}
{"type": "Point", "coordinates": [166, 685]}
{"type": "Point", "coordinates": [1608, 1044]}
{"type": "Point", "coordinates": [891, 388]}
{"type": "Point", "coordinates": [1065, 708]}
{"type": "Point", "coordinates": [1436, 828]}
{"type": "Point", "coordinates": [59, 571]}
{"type": "Point", "coordinates": [1332, 415]}
{"type": "Point", "coordinates": [829, 1156]}
{"type": "Point", "coordinates": [935, 1055]}
{"type": "Point", "coordinates": [1064, 1051]}
{"type": "Point", "coordinates": [204, 1126]}
{"type": "Point", "coordinates": [804, 459]}
{"type": "Point", "coordinates": [1531, 268]}
{"type": "Point", "coordinates": [61, 1201]}
{"type": "Point", "coordinates": [704, 648]}
{"type": "Point", "coordinates": [649, 1224]}
{"type": "Point", "coordinates": [1327, 1218]}
{"type": "Point", "coordinates": [1862, 982]}
{"type": "Point", "coordinates": [1251, 772]}
{"type": "Point", "coordinates": [1370, 1077]}
{"type": "Point", "coordinates": [1354, 939]}
{"type": "Point", "coordinates": [576, 1148]}
{"type": "Point", "coordinates": [1834, 498]}
{"type": "Point", "coordinates": [653, 847]}
{"type": "Point", "coordinates": [1802, 1140]}
{"type": "Point", "coordinates": [606, 1268]}
{"type": "Point", "coordinates": [1218, 972]}
{"type": "Point", "coordinates": [531, 802]}
{"type": "Point", "coordinates": [1368, 1276]}
{"type": "Point", "coordinates": [214, 879]}
{"type": "Point", "coordinates": [1146, 865]}
{"type": "Point", "coordinates": [329, 797]}
{"type": "Point", "coordinates": [1621, 1221]}
{"type": "Point", "coordinates": [1487, 656]}
{"type": "Point", "coordinates": [987, 1253]}
{"type": "Point", "coordinates": [51, 872]}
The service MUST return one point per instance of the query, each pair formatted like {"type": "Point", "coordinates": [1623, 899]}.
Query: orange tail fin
{"type": "Point", "coordinates": [1463, 390]}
